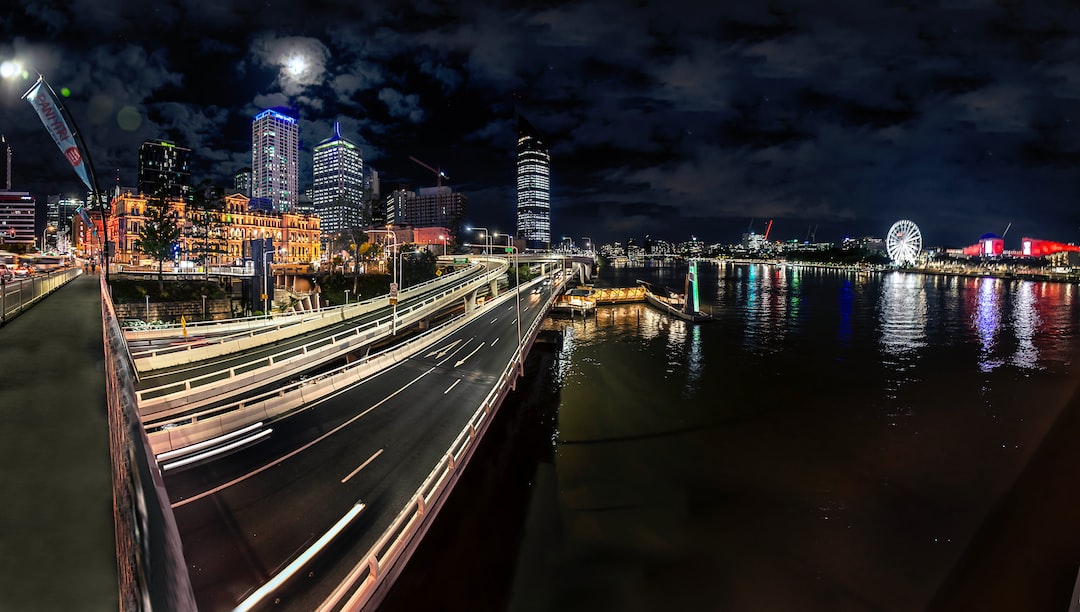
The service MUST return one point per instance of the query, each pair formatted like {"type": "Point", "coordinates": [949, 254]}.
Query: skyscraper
{"type": "Point", "coordinates": [533, 187]}
{"type": "Point", "coordinates": [166, 165]}
{"type": "Point", "coordinates": [338, 174]}
{"type": "Point", "coordinates": [275, 159]}
{"type": "Point", "coordinates": [5, 164]}
{"type": "Point", "coordinates": [242, 182]}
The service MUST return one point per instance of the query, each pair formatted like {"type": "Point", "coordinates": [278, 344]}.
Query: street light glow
{"type": "Point", "coordinates": [9, 69]}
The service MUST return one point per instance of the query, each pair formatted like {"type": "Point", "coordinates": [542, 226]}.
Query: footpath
{"type": "Point", "coordinates": [57, 548]}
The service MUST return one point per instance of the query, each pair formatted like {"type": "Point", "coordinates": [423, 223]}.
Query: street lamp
{"type": "Point", "coordinates": [443, 238]}
{"type": "Point", "coordinates": [393, 283]}
{"type": "Point", "coordinates": [48, 228]}
{"type": "Point", "coordinates": [588, 243]}
{"type": "Point", "coordinates": [266, 289]}
{"type": "Point", "coordinates": [517, 301]}
{"type": "Point", "coordinates": [487, 237]}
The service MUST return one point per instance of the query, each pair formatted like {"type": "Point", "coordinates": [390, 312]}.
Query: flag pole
{"type": "Point", "coordinates": [63, 136]}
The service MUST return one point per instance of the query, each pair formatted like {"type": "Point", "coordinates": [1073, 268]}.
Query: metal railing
{"type": "Point", "coordinates": [150, 576]}
{"type": "Point", "coordinates": [19, 294]}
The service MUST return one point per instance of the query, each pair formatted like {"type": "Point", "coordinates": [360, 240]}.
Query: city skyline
{"type": "Point", "coordinates": [691, 120]}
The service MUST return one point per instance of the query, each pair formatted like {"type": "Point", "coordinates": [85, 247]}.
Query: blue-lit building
{"type": "Point", "coordinates": [533, 187]}
{"type": "Point", "coordinates": [338, 190]}
{"type": "Point", "coordinates": [275, 159]}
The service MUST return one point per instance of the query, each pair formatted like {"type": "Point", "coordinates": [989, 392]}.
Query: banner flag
{"type": "Point", "coordinates": [43, 99]}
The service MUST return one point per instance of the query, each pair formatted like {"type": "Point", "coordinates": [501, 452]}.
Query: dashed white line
{"type": "Point", "coordinates": [496, 341]}
{"type": "Point", "coordinates": [362, 466]}
{"type": "Point", "coordinates": [451, 386]}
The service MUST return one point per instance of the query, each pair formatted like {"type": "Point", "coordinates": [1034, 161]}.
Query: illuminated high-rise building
{"type": "Point", "coordinates": [275, 160]}
{"type": "Point", "coordinates": [242, 182]}
{"type": "Point", "coordinates": [5, 164]}
{"type": "Point", "coordinates": [533, 187]}
{"type": "Point", "coordinates": [164, 166]}
{"type": "Point", "coordinates": [338, 193]}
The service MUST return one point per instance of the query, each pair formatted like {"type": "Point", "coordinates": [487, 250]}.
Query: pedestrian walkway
{"type": "Point", "coordinates": [56, 519]}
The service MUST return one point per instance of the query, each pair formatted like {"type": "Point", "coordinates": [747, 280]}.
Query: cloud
{"type": "Point", "coordinates": [401, 105]}
{"type": "Point", "coordinates": [301, 61]}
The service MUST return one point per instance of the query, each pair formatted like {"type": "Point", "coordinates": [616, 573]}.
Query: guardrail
{"type": "Point", "coordinates": [173, 403]}
{"type": "Point", "coordinates": [18, 295]}
{"type": "Point", "coordinates": [365, 580]}
{"type": "Point", "coordinates": [150, 557]}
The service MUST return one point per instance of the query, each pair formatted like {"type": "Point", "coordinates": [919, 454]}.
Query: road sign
{"type": "Point", "coordinates": [509, 249]}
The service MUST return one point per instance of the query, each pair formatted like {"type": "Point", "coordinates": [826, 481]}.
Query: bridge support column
{"type": "Point", "coordinates": [470, 301]}
{"type": "Point", "coordinates": [493, 288]}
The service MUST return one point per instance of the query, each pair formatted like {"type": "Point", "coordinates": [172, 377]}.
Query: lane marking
{"type": "Point", "coordinates": [496, 341]}
{"type": "Point", "coordinates": [456, 352]}
{"type": "Point", "coordinates": [463, 359]}
{"type": "Point", "coordinates": [439, 353]}
{"type": "Point", "coordinates": [451, 386]}
{"type": "Point", "coordinates": [362, 466]}
{"type": "Point", "coordinates": [493, 321]}
{"type": "Point", "coordinates": [299, 450]}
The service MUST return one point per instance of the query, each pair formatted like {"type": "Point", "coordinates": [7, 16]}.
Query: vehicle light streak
{"type": "Point", "coordinates": [216, 451]}
{"type": "Point", "coordinates": [302, 448]}
{"type": "Point", "coordinates": [201, 445]}
{"type": "Point", "coordinates": [310, 553]}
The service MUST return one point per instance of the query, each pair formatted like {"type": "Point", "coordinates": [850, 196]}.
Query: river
{"type": "Point", "coordinates": [831, 441]}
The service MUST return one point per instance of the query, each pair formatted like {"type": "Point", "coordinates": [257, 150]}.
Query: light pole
{"type": "Point", "coordinates": [393, 283]}
{"type": "Point", "coordinates": [588, 243]}
{"type": "Point", "coordinates": [47, 229]}
{"type": "Point", "coordinates": [487, 237]}
{"type": "Point", "coordinates": [517, 300]}
{"type": "Point", "coordinates": [443, 238]}
{"type": "Point", "coordinates": [266, 277]}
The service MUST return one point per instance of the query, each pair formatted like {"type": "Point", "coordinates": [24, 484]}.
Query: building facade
{"type": "Point", "coordinates": [338, 191]}
{"type": "Point", "coordinates": [16, 218]}
{"type": "Point", "coordinates": [533, 187]}
{"type": "Point", "coordinates": [231, 230]}
{"type": "Point", "coordinates": [429, 207]}
{"type": "Point", "coordinates": [5, 164]}
{"type": "Point", "coordinates": [164, 165]}
{"type": "Point", "coordinates": [275, 160]}
{"type": "Point", "coordinates": [242, 182]}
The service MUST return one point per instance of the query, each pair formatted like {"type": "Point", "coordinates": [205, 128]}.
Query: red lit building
{"type": "Point", "coordinates": [989, 245]}
{"type": "Point", "coordinates": [1033, 247]}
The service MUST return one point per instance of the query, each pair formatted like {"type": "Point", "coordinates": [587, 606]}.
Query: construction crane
{"type": "Point", "coordinates": [439, 174]}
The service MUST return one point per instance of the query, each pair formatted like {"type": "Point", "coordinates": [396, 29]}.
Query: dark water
{"type": "Point", "coordinates": [830, 442]}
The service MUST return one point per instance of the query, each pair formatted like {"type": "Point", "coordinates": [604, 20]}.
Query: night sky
{"type": "Point", "coordinates": [673, 119]}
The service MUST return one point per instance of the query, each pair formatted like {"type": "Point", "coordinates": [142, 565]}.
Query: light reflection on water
{"type": "Point", "coordinates": [777, 427]}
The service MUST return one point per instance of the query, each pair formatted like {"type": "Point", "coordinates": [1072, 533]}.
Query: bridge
{"type": "Point", "coordinates": [295, 462]}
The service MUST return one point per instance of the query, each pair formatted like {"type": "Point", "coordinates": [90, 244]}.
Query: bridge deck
{"type": "Point", "coordinates": [56, 526]}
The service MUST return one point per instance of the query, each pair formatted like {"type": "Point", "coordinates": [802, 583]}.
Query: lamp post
{"type": "Point", "coordinates": [517, 301]}
{"type": "Point", "coordinates": [588, 243]}
{"type": "Point", "coordinates": [393, 283]}
{"type": "Point", "coordinates": [266, 277]}
{"type": "Point", "coordinates": [443, 238]}
{"type": "Point", "coordinates": [487, 237]}
{"type": "Point", "coordinates": [48, 228]}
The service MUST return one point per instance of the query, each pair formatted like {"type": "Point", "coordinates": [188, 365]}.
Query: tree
{"type": "Point", "coordinates": [206, 225]}
{"type": "Point", "coordinates": [159, 234]}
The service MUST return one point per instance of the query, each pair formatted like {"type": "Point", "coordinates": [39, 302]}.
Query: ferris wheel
{"type": "Point", "coordinates": [903, 242]}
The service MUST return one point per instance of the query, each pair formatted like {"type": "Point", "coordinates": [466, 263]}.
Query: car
{"type": "Point", "coordinates": [5, 273]}
{"type": "Point", "coordinates": [538, 289]}
{"type": "Point", "coordinates": [23, 271]}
